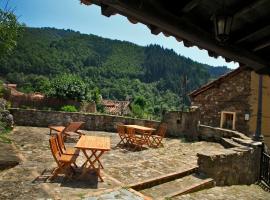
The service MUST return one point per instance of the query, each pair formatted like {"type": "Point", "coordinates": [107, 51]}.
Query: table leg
{"type": "Point", "coordinates": [92, 163]}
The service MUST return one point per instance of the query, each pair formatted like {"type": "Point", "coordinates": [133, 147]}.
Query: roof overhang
{"type": "Point", "coordinates": [190, 21]}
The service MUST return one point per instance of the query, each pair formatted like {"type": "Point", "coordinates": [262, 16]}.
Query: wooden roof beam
{"type": "Point", "coordinates": [107, 10]}
{"type": "Point", "coordinates": [190, 5]}
{"type": "Point", "coordinates": [251, 4]}
{"type": "Point", "coordinates": [263, 44]}
{"type": "Point", "coordinates": [254, 33]}
{"type": "Point", "coordinates": [154, 30]}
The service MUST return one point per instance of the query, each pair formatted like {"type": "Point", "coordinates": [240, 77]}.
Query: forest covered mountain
{"type": "Point", "coordinates": [119, 69]}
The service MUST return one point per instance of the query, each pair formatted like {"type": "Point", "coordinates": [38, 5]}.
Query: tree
{"type": "Point", "coordinates": [68, 86]}
{"type": "Point", "coordinates": [9, 31]}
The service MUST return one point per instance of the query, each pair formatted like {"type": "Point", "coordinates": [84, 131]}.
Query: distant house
{"type": "Point", "coordinates": [114, 107]}
{"type": "Point", "coordinates": [231, 102]}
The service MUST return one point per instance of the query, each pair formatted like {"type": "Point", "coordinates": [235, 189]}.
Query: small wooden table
{"type": "Point", "coordinates": [97, 145]}
{"type": "Point", "coordinates": [145, 131]}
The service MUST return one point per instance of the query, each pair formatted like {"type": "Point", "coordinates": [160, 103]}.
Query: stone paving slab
{"type": "Point", "coordinates": [236, 192]}
{"type": "Point", "coordinates": [122, 167]}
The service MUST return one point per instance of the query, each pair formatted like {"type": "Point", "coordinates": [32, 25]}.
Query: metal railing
{"type": "Point", "coordinates": [265, 168]}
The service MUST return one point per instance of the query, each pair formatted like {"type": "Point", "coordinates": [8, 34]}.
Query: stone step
{"type": "Point", "coordinates": [229, 143]}
{"type": "Point", "coordinates": [163, 179]}
{"type": "Point", "coordinates": [184, 185]}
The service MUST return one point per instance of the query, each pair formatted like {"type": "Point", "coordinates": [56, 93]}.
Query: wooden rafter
{"type": "Point", "coordinates": [190, 5]}
{"type": "Point", "coordinates": [107, 10]}
{"type": "Point", "coordinates": [253, 33]}
{"type": "Point", "coordinates": [261, 45]}
{"type": "Point", "coordinates": [249, 5]}
{"type": "Point", "coordinates": [154, 30]}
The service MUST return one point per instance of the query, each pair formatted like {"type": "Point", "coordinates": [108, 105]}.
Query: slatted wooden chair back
{"type": "Point", "coordinates": [55, 150]}
{"type": "Point", "coordinates": [162, 130]}
{"type": "Point", "coordinates": [60, 141]}
{"type": "Point", "coordinates": [73, 126]}
{"type": "Point", "coordinates": [121, 130]}
{"type": "Point", "coordinates": [131, 133]}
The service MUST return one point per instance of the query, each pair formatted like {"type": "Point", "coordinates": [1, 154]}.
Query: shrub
{"type": "Point", "coordinates": [69, 108]}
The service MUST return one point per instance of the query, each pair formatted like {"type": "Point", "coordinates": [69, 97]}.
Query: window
{"type": "Point", "coordinates": [228, 120]}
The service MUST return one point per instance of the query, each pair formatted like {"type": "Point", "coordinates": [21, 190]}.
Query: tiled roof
{"type": "Point", "coordinates": [115, 107]}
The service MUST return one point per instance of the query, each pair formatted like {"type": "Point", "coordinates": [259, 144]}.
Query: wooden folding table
{"type": "Point", "coordinates": [97, 145]}
{"type": "Point", "coordinates": [145, 131]}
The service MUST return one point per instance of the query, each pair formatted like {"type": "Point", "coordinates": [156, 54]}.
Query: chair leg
{"type": "Point", "coordinates": [55, 172]}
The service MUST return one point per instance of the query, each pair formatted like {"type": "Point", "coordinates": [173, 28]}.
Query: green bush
{"type": "Point", "coordinates": [69, 108]}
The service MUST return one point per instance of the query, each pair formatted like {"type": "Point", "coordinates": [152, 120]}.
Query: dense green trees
{"type": "Point", "coordinates": [111, 68]}
{"type": "Point", "coordinates": [9, 31]}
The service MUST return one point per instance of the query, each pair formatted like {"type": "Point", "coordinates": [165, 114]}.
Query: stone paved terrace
{"type": "Point", "coordinates": [122, 168]}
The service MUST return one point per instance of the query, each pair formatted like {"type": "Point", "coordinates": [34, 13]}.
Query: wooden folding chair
{"type": "Point", "coordinates": [63, 148]}
{"type": "Point", "coordinates": [155, 140]}
{"type": "Point", "coordinates": [137, 141]}
{"type": "Point", "coordinates": [72, 127]}
{"type": "Point", "coordinates": [121, 130]}
{"type": "Point", "coordinates": [64, 162]}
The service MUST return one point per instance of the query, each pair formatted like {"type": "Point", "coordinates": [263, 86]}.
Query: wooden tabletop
{"type": "Point", "coordinates": [94, 143]}
{"type": "Point", "coordinates": [143, 128]}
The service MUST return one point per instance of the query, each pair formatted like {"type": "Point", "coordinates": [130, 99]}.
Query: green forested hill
{"type": "Point", "coordinates": [119, 69]}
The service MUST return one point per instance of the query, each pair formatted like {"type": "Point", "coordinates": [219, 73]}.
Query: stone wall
{"type": "Point", "coordinates": [183, 124]}
{"type": "Point", "coordinates": [234, 166]}
{"type": "Point", "coordinates": [230, 95]}
{"type": "Point", "coordinates": [95, 122]}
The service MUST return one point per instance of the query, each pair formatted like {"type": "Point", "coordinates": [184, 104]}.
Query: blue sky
{"type": "Point", "coordinates": [70, 14]}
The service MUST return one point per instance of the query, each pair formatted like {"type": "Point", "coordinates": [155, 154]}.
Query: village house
{"type": "Point", "coordinates": [114, 107]}
{"type": "Point", "coordinates": [231, 102]}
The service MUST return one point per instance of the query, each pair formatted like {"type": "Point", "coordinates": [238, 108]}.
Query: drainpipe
{"type": "Point", "coordinates": [258, 135]}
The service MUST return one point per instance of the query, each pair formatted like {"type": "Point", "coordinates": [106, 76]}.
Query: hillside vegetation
{"type": "Point", "coordinates": [117, 69]}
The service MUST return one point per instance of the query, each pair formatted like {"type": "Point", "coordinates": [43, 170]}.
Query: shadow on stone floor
{"type": "Point", "coordinates": [89, 180]}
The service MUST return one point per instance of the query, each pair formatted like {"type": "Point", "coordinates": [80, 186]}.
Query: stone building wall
{"type": "Point", "coordinates": [94, 122]}
{"type": "Point", "coordinates": [230, 95]}
{"type": "Point", "coordinates": [183, 124]}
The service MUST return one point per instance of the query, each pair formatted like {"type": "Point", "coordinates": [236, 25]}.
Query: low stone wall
{"type": "Point", "coordinates": [240, 165]}
{"type": "Point", "coordinates": [214, 134]}
{"type": "Point", "coordinates": [95, 122]}
{"type": "Point", "coordinates": [183, 124]}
